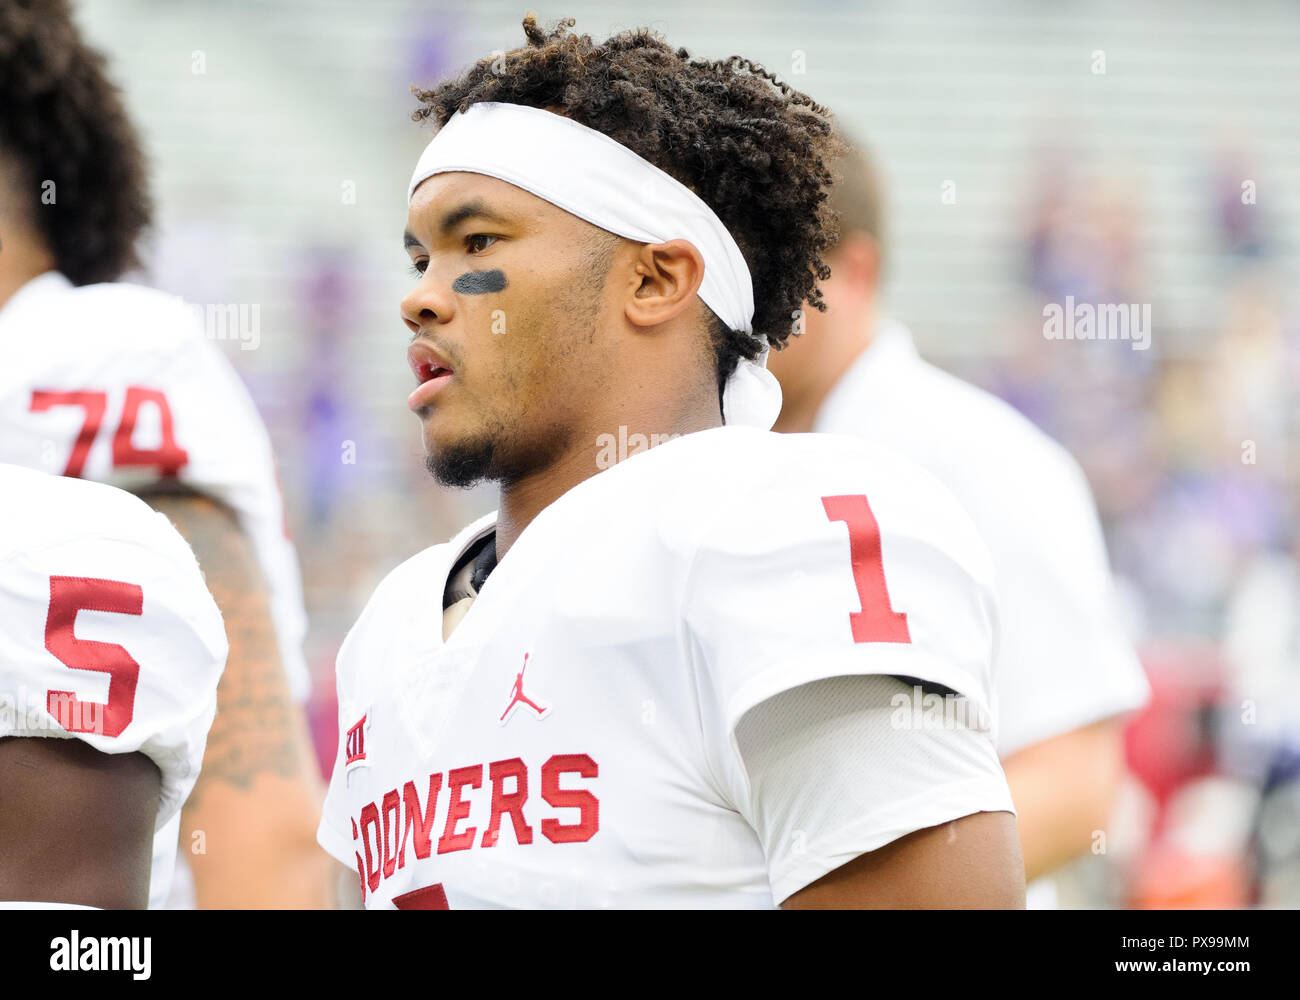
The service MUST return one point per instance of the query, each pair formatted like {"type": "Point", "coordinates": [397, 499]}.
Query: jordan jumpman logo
{"type": "Point", "coordinates": [517, 698]}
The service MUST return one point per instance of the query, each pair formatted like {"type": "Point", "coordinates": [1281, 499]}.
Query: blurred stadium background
{"type": "Point", "coordinates": [1120, 152]}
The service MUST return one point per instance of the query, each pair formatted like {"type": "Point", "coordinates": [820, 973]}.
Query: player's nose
{"type": "Point", "coordinates": [427, 304]}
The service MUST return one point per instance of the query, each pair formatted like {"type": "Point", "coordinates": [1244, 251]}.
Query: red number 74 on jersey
{"type": "Point", "coordinates": [877, 621]}
{"type": "Point", "coordinates": [169, 457]}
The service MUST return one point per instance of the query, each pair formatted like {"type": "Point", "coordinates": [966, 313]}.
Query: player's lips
{"type": "Point", "coordinates": [432, 372]}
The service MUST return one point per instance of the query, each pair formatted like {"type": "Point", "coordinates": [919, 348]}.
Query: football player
{"type": "Point", "coordinates": [115, 382]}
{"type": "Point", "coordinates": [1067, 674]}
{"type": "Point", "coordinates": [689, 663]}
{"type": "Point", "coordinates": [110, 653]}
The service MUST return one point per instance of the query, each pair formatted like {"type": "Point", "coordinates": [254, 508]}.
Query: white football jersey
{"type": "Point", "coordinates": [573, 743]}
{"type": "Point", "coordinates": [116, 383]}
{"type": "Point", "coordinates": [107, 631]}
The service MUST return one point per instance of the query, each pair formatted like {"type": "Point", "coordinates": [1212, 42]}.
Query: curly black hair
{"type": "Point", "coordinates": [63, 121]}
{"type": "Point", "coordinates": [758, 152]}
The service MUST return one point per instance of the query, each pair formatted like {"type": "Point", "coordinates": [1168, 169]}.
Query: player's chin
{"type": "Point", "coordinates": [459, 461]}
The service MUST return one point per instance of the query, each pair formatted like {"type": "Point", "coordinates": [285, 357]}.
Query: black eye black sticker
{"type": "Point", "coordinates": [479, 282]}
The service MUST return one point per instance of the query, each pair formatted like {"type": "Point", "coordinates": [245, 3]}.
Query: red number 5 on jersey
{"type": "Point", "coordinates": [169, 457]}
{"type": "Point", "coordinates": [877, 621]}
{"type": "Point", "coordinates": [68, 595]}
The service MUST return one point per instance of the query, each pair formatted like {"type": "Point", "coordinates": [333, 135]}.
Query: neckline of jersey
{"type": "Point", "coordinates": [486, 524]}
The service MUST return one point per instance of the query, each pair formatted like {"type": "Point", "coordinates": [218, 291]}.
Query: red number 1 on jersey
{"type": "Point", "coordinates": [877, 621]}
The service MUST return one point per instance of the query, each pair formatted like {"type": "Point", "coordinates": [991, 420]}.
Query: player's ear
{"type": "Point", "coordinates": [664, 281]}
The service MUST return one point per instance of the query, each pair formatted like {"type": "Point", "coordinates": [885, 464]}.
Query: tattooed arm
{"type": "Point", "coordinates": [249, 827]}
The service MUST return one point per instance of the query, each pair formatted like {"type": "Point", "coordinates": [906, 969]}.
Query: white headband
{"type": "Point", "coordinates": [600, 180]}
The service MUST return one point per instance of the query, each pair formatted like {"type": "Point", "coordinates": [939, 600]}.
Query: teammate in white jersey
{"type": "Point", "coordinates": [1066, 672]}
{"type": "Point", "coordinates": [689, 662]}
{"type": "Point", "coordinates": [115, 382]}
{"type": "Point", "coordinates": [110, 653]}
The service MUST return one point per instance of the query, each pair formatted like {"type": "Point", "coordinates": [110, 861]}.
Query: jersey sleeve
{"type": "Point", "coordinates": [889, 777]}
{"type": "Point", "coordinates": [333, 832]}
{"type": "Point", "coordinates": [864, 566]}
{"type": "Point", "coordinates": [333, 815]}
{"type": "Point", "coordinates": [842, 637]}
{"type": "Point", "coordinates": [365, 643]}
{"type": "Point", "coordinates": [113, 639]}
